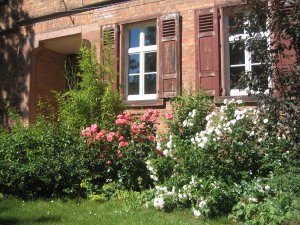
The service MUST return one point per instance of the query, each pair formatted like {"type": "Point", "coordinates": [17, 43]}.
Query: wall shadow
{"type": "Point", "coordinates": [16, 44]}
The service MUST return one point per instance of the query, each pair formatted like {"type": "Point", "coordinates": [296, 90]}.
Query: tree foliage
{"type": "Point", "coordinates": [273, 29]}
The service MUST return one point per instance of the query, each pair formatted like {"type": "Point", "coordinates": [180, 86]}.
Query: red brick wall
{"type": "Point", "coordinates": [113, 13]}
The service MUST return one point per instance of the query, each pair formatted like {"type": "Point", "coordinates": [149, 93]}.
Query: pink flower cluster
{"type": "Point", "coordinates": [122, 119]}
{"type": "Point", "coordinates": [150, 115]}
{"type": "Point", "coordinates": [169, 116]}
{"type": "Point", "coordinates": [136, 130]}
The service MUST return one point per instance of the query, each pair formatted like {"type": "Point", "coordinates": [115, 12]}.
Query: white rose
{"type": "Point", "coordinates": [202, 204]}
{"type": "Point", "coordinates": [197, 213]}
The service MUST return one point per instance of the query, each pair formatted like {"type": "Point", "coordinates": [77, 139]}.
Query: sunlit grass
{"type": "Point", "coordinates": [84, 212]}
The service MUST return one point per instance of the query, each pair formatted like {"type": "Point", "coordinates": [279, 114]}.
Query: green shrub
{"type": "Point", "coordinates": [189, 108]}
{"type": "Point", "coordinates": [48, 158]}
{"type": "Point", "coordinates": [92, 100]}
{"type": "Point", "coordinates": [211, 170]}
{"type": "Point", "coordinates": [120, 154]}
{"type": "Point", "coordinates": [43, 160]}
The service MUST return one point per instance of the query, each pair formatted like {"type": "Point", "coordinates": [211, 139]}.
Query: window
{"type": "Point", "coordinates": [141, 58]}
{"type": "Point", "coordinates": [240, 59]}
{"type": "Point", "coordinates": [149, 64]}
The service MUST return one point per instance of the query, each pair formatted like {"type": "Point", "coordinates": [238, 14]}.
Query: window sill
{"type": "Point", "coordinates": [251, 101]}
{"type": "Point", "coordinates": [145, 103]}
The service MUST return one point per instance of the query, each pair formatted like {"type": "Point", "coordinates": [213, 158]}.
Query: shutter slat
{"type": "Point", "coordinates": [168, 28]}
{"type": "Point", "coordinates": [206, 23]}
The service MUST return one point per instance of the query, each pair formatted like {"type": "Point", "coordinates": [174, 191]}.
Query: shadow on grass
{"type": "Point", "coordinates": [19, 221]}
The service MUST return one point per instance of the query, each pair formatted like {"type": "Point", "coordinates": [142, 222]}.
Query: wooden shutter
{"type": "Point", "coordinates": [169, 55]}
{"type": "Point", "coordinates": [290, 59]}
{"type": "Point", "coordinates": [207, 50]}
{"type": "Point", "coordinates": [110, 38]}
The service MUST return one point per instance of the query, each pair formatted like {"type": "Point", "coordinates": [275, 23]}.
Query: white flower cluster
{"type": "Point", "coordinates": [224, 125]}
{"type": "Point", "coordinates": [153, 171]}
{"type": "Point", "coordinates": [162, 191]}
{"type": "Point", "coordinates": [169, 146]}
{"type": "Point", "coordinates": [189, 121]}
{"type": "Point", "coordinates": [158, 203]}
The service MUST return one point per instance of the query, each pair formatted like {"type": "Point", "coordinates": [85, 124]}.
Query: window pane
{"type": "Point", "coordinates": [133, 85]}
{"type": "Point", "coordinates": [134, 38]}
{"type": "Point", "coordinates": [237, 53]}
{"type": "Point", "coordinates": [150, 83]}
{"type": "Point", "coordinates": [150, 62]}
{"type": "Point", "coordinates": [258, 52]}
{"type": "Point", "coordinates": [236, 24]}
{"type": "Point", "coordinates": [235, 74]}
{"type": "Point", "coordinates": [150, 36]}
{"type": "Point", "coordinates": [257, 71]}
{"type": "Point", "coordinates": [134, 63]}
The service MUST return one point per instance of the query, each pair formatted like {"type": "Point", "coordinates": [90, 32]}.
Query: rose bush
{"type": "Point", "coordinates": [121, 155]}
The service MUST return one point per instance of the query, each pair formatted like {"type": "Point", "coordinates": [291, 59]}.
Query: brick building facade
{"type": "Point", "coordinates": [164, 46]}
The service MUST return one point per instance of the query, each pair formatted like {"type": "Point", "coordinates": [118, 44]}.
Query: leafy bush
{"type": "Point", "coordinates": [48, 158]}
{"type": "Point", "coordinates": [214, 169]}
{"type": "Point", "coordinates": [188, 111]}
{"type": "Point", "coordinates": [120, 155]}
{"type": "Point", "coordinates": [43, 160]}
{"type": "Point", "coordinates": [92, 100]}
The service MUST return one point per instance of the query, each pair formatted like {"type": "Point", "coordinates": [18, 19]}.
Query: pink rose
{"type": "Point", "coordinates": [123, 143]}
{"type": "Point", "coordinates": [94, 128]}
{"type": "Point", "coordinates": [86, 132]}
{"type": "Point", "coordinates": [121, 138]}
{"type": "Point", "coordinates": [111, 134]}
{"type": "Point", "coordinates": [150, 110]}
{"type": "Point", "coordinates": [151, 137]}
{"type": "Point", "coordinates": [110, 138]}
{"type": "Point", "coordinates": [99, 136]}
{"type": "Point", "coordinates": [108, 162]}
{"type": "Point", "coordinates": [145, 116]}
{"type": "Point", "coordinates": [127, 116]}
{"type": "Point", "coordinates": [152, 120]}
{"type": "Point", "coordinates": [121, 121]}
{"type": "Point", "coordinates": [169, 116]}
{"type": "Point", "coordinates": [120, 116]}
{"type": "Point", "coordinates": [121, 155]}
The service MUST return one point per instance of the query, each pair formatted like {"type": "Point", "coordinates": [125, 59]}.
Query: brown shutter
{"type": "Point", "coordinates": [169, 55]}
{"type": "Point", "coordinates": [110, 39]}
{"type": "Point", "coordinates": [290, 55]}
{"type": "Point", "coordinates": [207, 50]}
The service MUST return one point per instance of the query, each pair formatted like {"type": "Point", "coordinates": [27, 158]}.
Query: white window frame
{"type": "Point", "coordinates": [141, 51]}
{"type": "Point", "coordinates": [248, 63]}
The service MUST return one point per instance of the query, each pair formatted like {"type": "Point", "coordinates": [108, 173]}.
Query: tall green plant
{"type": "Point", "coordinates": [92, 100]}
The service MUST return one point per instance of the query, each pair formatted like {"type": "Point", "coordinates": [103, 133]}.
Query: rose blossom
{"type": "Point", "coordinates": [151, 137]}
{"type": "Point", "coordinates": [121, 121]}
{"type": "Point", "coordinates": [120, 116]}
{"type": "Point", "coordinates": [169, 116]}
{"type": "Point", "coordinates": [110, 138]}
{"type": "Point", "coordinates": [152, 120]}
{"type": "Point", "coordinates": [123, 143]}
{"type": "Point", "coordinates": [121, 138]}
{"type": "Point", "coordinates": [108, 162]}
{"type": "Point", "coordinates": [127, 116]}
{"type": "Point", "coordinates": [99, 136]}
{"type": "Point", "coordinates": [94, 128]}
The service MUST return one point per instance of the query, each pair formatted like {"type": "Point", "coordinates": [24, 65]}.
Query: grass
{"type": "Point", "coordinates": [85, 212]}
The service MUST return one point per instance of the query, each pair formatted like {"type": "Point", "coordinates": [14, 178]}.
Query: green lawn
{"type": "Point", "coordinates": [84, 212]}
